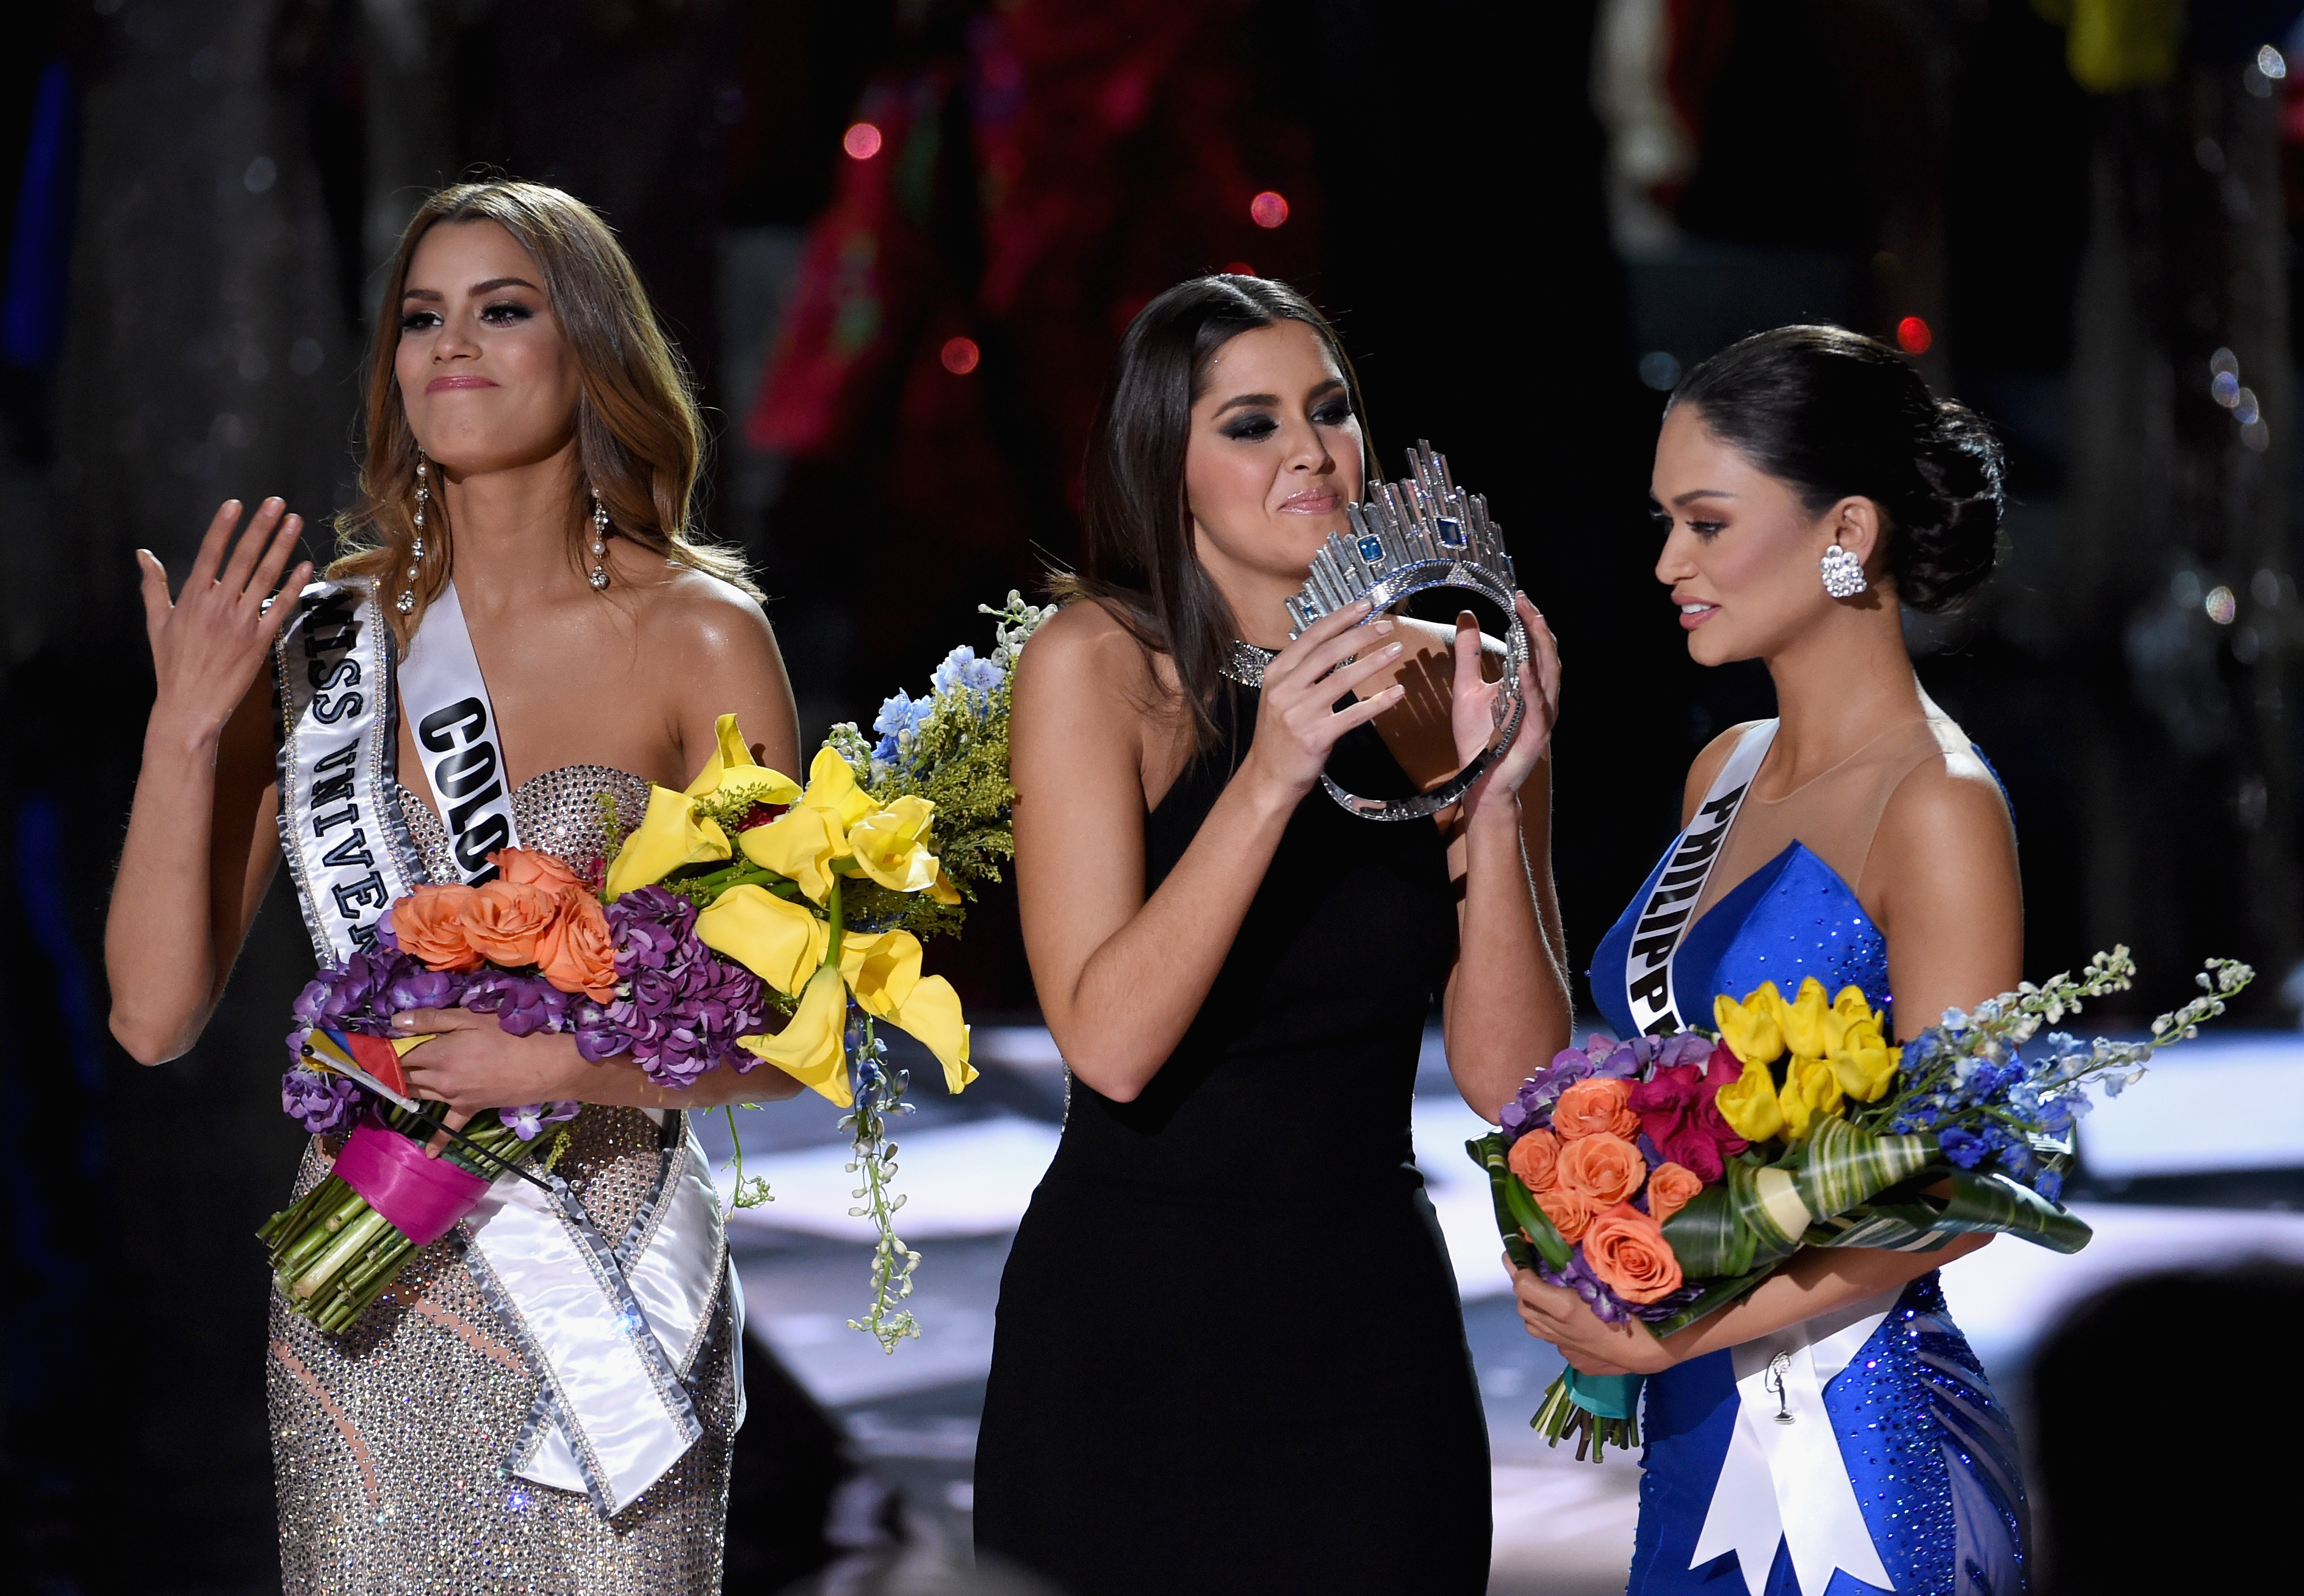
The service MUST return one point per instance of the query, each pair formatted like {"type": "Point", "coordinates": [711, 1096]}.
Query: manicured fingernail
{"type": "Point", "coordinates": [1390, 648]}
{"type": "Point", "coordinates": [1382, 626]}
{"type": "Point", "coordinates": [403, 1022]}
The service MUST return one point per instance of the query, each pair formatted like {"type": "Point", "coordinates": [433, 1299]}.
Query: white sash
{"type": "Point", "coordinates": [1787, 1481]}
{"type": "Point", "coordinates": [457, 738]}
{"type": "Point", "coordinates": [346, 845]}
{"type": "Point", "coordinates": [612, 1332]}
{"type": "Point", "coordinates": [1663, 917]}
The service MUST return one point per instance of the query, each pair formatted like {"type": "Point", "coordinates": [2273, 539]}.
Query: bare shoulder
{"type": "Point", "coordinates": [694, 621]}
{"type": "Point", "coordinates": [1947, 805]}
{"type": "Point", "coordinates": [1081, 656]}
{"type": "Point", "coordinates": [1706, 770]}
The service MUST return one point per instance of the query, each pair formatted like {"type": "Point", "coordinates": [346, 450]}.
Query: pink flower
{"type": "Point", "coordinates": [1679, 1114]}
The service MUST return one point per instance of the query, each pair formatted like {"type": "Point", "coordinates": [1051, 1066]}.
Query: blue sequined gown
{"type": "Point", "coordinates": [1930, 1449]}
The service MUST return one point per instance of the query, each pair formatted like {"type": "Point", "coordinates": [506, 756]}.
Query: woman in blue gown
{"type": "Point", "coordinates": [1813, 488]}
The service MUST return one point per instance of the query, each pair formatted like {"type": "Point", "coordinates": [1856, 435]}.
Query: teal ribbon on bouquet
{"type": "Point", "coordinates": [1606, 1396]}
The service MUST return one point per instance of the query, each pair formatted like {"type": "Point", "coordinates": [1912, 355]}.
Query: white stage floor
{"type": "Point", "coordinates": [969, 1169]}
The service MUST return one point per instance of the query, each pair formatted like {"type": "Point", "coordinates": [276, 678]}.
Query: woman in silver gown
{"type": "Point", "coordinates": [530, 434]}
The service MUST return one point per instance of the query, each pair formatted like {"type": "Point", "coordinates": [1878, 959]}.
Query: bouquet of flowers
{"type": "Point", "coordinates": [1663, 1177]}
{"type": "Point", "coordinates": [744, 919]}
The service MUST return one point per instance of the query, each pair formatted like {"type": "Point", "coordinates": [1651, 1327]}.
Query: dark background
{"type": "Point", "coordinates": [1526, 220]}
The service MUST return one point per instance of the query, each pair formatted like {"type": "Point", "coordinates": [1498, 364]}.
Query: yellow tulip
{"type": "Point", "coordinates": [1810, 1090]}
{"type": "Point", "coordinates": [800, 845]}
{"type": "Point", "coordinates": [1803, 1021]}
{"type": "Point", "coordinates": [1749, 1104]}
{"type": "Point", "coordinates": [776, 939]}
{"type": "Point", "coordinates": [891, 845]}
{"type": "Point", "coordinates": [809, 1049]}
{"type": "Point", "coordinates": [884, 970]}
{"type": "Point", "coordinates": [1864, 1062]}
{"type": "Point", "coordinates": [1753, 1028]}
{"type": "Point", "coordinates": [671, 835]}
{"type": "Point", "coordinates": [1849, 1009]}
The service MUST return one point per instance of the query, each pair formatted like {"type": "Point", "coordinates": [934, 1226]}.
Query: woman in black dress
{"type": "Point", "coordinates": [1230, 1356]}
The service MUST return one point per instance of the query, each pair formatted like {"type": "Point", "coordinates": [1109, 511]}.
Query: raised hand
{"type": "Point", "coordinates": [1297, 722]}
{"type": "Point", "coordinates": [1472, 707]}
{"type": "Point", "coordinates": [208, 645]}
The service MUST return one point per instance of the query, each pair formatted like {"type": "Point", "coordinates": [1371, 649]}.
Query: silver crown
{"type": "Point", "coordinates": [1417, 533]}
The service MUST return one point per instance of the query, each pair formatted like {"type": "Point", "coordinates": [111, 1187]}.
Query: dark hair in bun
{"type": "Point", "coordinates": [1838, 414]}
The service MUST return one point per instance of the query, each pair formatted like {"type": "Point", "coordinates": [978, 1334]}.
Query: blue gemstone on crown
{"type": "Point", "coordinates": [1418, 532]}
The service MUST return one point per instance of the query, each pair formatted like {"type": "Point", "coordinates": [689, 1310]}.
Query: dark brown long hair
{"type": "Point", "coordinates": [639, 439]}
{"type": "Point", "coordinates": [1137, 553]}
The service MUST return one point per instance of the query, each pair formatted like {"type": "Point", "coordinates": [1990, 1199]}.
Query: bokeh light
{"type": "Point", "coordinates": [861, 141]}
{"type": "Point", "coordinates": [1268, 210]}
{"type": "Point", "coordinates": [960, 356]}
{"type": "Point", "coordinates": [1239, 268]}
{"type": "Point", "coordinates": [2271, 62]}
{"type": "Point", "coordinates": [2221, 605]}
{"type": "Point", "coordinates": [1659, 370]}
{"type": "Point", "coordinates": [1912, 335]}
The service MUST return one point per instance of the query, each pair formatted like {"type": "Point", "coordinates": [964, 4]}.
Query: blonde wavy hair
{"type": "Point", "coordinates": [639, 437]}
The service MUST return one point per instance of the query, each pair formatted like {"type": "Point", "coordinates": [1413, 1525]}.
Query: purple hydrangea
{"type": "Point", "coordinates": [679, 1006]}
{"type": "Point", "coordinates": [317, 1102]}
{"type": "Point", "coordinates": [1602, 1057]}
{"type": "Point", "coordinates": [416, 987]}
{"type": "Point", "coordinates": [522, 1004]}
{"type": "Point", "coordinates": [528, 1120]}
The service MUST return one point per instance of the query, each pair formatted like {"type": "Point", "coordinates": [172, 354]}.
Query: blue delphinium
{"type": "Point", "coordinates": [963, 673]}
{"type": "Point", "coordinates": [898, 722]}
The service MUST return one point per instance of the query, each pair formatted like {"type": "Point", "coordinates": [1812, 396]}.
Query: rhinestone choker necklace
{"type": "Point", "coordinates": [1246, 661]}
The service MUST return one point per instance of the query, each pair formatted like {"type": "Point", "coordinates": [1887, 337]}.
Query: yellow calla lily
{"type": "Point", "coordinates": [1752, 1029]}
{"type": "Point", "coordinates": [1810, 1091]}
{"type": "Point", "coordinates": [1803, 1021]}
{"type": "Point", "coordinates": [891, 845]}
{"type": "Point", "coordinates": [1864, 1062]}
{"type": "Point", "coordinates": [809, 1049]}
{"type": "Point", "coordinates": [776, 939]}
{"type": "Point", "coordinates": [803, 845]}
{"type": "Point", "coordinates": [832, 789]}
{"type": "Point", "coordinates": [942, 890]}
{"type": "Point", "coordinates": [731, 770]}
{"type": "Point", "coordinates": [884, 970]}
{"type": "Point", "coordinates": [1749, 1104]}
{"type": "Point", "coordinates": [671, 835]}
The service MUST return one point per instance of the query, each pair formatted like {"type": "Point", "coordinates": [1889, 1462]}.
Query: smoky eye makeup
{"type": "Point", "coordinates": [1249, 427]}
{"type": "Point", "coordinates": [505, 312]}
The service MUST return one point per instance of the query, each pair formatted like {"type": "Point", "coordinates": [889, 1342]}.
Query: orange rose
{"type": "Point", "coordinates": [503, 921]}
{"type": "Point", "coordinates": [1568, 1212]}
{"type": "Point", "coordinates": [1627, 1250]}
{"type": "Point", "coordinates": [428, 925]}
{"type": "Point", "coordinates": [1670, 1187]}
{"type": "Point", "coordinates": [1533, 1158]}
{"type": "Point", "coordinates": [576, 952]}
{"type": "Point", "coordinates": [1602, 1170]}
{"type": "Point", "coordinates": [1593, 1108]}
{"type": "Point", "coordinates": [523, 868]}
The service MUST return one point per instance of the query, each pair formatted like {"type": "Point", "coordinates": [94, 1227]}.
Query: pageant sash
{"type": "Point", "coordinates": [339, 829]}
{"type": "Point", "coordinates": [613, 1332]}
{"type": "Point", "coordinates": [457, 740]}
{"type": "Point", "coordinates": [1783, 1479]}
{"type": "Point", "coordinates": [1663, 917]}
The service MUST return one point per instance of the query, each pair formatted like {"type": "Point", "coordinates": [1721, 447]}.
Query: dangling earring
{"type": "Point", "coordinates": [1843, 573]}
{"type": "Point", "coordinates": [407, 600]}
{"type": "Point", "coordinates": [599, 577]}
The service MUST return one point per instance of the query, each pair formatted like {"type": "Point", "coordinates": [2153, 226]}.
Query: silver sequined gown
{"type": "Point", "coordinates": [388, 1442]}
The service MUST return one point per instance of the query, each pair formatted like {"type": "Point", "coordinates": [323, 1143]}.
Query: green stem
{"type": "Point", "coordinates": [831, 913]}
{"type": "Point", "coordinates": [357, 1237]}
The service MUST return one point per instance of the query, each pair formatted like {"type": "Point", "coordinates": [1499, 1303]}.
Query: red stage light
{"type": "Point", "coordinates": [861, 141]}
{"type": "Point", "coordinates": [1912, 335]}
{"type": "Point", "coordinates": [1268, 210]}
{"type": "Point", "coordinates": [960, 356]}
{"type": "Point", "coordinates": [1239, 268]}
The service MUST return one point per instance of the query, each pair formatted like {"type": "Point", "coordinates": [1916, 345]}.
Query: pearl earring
{"type": "Point", "coordinates": [599, 577]}
{"type": "Point", "coordinates": [407, 600]}
{"type": "Point", "coordinates": [1843, 573]}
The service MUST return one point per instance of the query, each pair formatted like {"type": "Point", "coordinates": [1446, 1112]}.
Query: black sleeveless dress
{"type": "Point", "coordinates": [1230, 1356]}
